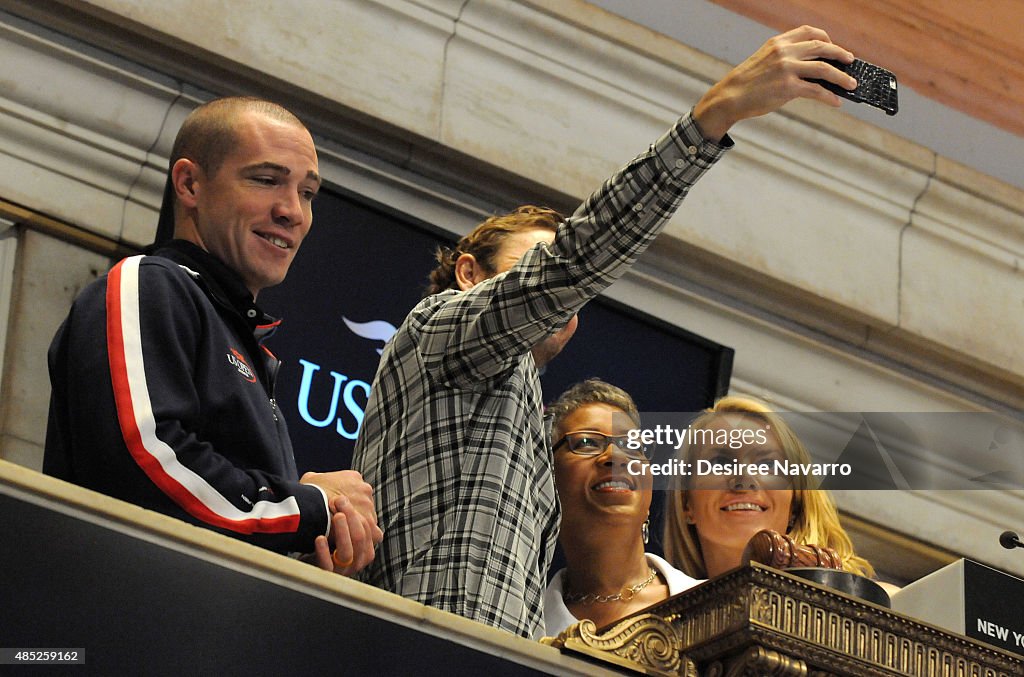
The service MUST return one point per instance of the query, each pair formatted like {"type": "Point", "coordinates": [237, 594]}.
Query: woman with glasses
{"type": "Point", "coordinates": [605, 509]}
{"type": "Point", "coordinates": [710, 519]}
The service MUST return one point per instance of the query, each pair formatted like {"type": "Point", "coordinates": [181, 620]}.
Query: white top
{"type": "Point", "coordinates": [557, 616]}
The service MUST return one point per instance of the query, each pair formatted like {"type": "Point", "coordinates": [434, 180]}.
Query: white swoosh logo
{"type": "Point", "coordinates": [375, 330]}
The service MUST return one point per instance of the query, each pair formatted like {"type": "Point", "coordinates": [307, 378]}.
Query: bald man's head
{"type": "Point", "coordinates": [209, 132]}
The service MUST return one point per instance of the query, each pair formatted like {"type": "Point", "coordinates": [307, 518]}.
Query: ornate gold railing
{"type": "Point", "coordinates": [760, 621]}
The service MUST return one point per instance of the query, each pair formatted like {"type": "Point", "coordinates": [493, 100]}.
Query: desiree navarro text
{"type": "Point", "coordinates": [704, 468]}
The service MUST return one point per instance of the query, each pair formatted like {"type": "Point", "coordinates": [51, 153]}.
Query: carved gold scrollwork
{"type": "Point", "coordinates": [759, 621]}
{"type": "Point", "coordinates": [761, 604]}
{"type": "Point", "coordinates": [757, 661]}
{"type": "Point", "coordinates": [643, 643]}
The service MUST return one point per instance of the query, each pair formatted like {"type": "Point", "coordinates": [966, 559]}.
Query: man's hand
{"type": "Point", "coordinates": [776, 74]}
{"type": "Point", "coordinates": [354, 531]}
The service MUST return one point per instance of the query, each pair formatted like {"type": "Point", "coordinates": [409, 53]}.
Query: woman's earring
{"type": "Point", "coordinates": [645, 530]}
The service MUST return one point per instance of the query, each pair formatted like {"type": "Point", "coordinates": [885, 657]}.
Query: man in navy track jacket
{"type": "Point", "coordinates": [163, 394]}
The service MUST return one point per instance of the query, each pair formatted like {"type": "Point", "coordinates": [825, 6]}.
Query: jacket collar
{"type": "Point", "coordinates": [222, 283]}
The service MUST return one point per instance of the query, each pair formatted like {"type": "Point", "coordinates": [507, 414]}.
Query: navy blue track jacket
{"type": "Point", "coordinates": [163, 397]}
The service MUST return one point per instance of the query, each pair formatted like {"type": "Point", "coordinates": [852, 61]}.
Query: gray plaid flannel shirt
{"type": "Point", "coordinates": [453, 439]}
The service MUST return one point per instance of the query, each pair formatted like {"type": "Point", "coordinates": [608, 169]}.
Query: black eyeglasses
{"type": "Point", "coordinates": [588, 443]}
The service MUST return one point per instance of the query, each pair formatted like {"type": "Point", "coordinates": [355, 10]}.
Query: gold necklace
{"type": "Point", "coordinates": [623, 595]}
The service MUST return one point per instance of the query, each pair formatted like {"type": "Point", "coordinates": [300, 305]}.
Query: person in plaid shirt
{"type": "Point", "coordinates": [453, 438]}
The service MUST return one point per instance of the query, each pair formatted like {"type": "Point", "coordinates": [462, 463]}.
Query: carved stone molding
{"type": "Point", "coordinates": [77, 135]}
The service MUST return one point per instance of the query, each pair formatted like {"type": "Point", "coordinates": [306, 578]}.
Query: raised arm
{"type": "Point", "coordinates": [478, 334]}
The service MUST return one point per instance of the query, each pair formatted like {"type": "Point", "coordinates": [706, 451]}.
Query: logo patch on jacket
{"type": "Point", "coordinates": [237, 360]}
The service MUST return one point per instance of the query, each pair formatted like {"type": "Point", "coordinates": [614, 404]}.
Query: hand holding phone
{"type": "Point", "coordinates": [875, 85]}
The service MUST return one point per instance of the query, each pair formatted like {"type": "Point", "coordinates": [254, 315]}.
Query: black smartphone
{"type": "Point", "coordinates": [875, 85]}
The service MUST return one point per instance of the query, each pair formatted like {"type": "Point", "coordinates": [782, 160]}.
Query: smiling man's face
{"type": "Point", "coordinates": [255, 209]}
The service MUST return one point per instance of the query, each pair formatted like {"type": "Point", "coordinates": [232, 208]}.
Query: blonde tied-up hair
{"type": "Point", "coordinates": [814, 519]}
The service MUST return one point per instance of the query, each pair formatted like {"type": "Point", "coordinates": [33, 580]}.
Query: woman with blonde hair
{"type": "Point", "coordinates": [709, 519]}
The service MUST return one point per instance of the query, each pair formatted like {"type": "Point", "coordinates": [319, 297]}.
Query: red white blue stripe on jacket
{"type": "Point", "coordinates": [138, 424]}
